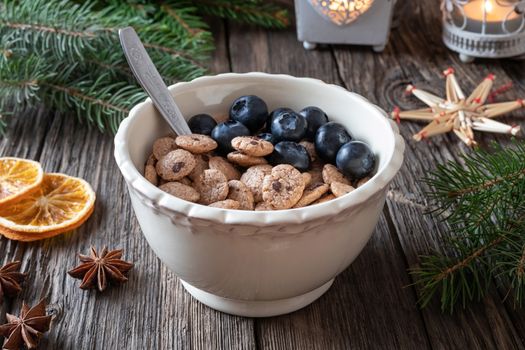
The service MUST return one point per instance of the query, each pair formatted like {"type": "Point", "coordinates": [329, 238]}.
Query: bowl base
{"type": "Point", "coordinates": [256, 308]}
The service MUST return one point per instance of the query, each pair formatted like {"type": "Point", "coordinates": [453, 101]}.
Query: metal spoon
{"type": "Point", "coordinates": [151, 81]}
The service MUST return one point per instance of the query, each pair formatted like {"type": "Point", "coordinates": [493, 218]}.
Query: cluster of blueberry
{"type": "Point", "coordinates": [285, 129]}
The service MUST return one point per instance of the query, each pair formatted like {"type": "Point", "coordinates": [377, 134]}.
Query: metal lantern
{"type": "Point", "coordinates": [359, 22]}
{"type": "Point", "coordinates": [484, 28]}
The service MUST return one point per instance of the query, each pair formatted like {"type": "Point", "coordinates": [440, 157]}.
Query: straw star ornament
{"type": "Point", "coordinates": [458, 113]}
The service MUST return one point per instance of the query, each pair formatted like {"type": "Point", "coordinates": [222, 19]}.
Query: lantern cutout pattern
{"type": "Point", "coordinates": [341, 12]}
{"type": "Point", "coordinates": [484, 28]}
{"type": "Point", "coordinates": [355, 22]}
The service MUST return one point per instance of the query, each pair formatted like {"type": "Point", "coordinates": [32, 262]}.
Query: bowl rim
{"type": "Point", "coordinates": [173, 205]}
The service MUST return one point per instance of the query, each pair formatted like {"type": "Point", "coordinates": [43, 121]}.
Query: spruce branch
{"type": "Point", "coordinates": [59, 27]}
{"type": "Point", "coordinates": [19, 82]}
{"type": "Point", "coordinates": [102, 102]}
{"type": "Point", "coordinates": [66, 53]}
{"type": "Point", "coordinates": [73, 33]}
{"type": "Point", "coordinates": [91, 75]}
{"type": "Point", "coordinates": [257, 12]}
{"type": "Point", "coordinates": [510, 266]}
{"type": "Point", "coordinates": [184, 20]}
{"type": "Point", "coordinates": [486, 200]}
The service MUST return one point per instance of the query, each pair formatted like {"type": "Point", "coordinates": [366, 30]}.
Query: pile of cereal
{"type": "Point", "coordinates": [295, 159]}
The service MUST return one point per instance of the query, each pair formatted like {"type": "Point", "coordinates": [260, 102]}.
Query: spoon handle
{"type": "Point", "coordinates": [151, 81]}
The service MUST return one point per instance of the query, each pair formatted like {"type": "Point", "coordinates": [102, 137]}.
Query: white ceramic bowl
{"type": "Point", "coordinates": [258, 263]}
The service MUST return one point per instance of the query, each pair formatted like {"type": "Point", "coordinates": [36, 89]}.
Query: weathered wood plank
{"type": "Point", "coordinates": [220, 62]}
{"type": "Point", "coordinates": [10, 146]}
{"type": "Point", "coordinates": [33, 126]}
{"type": "Point", "coordinates": [367, 306]}
{"type": "Point", "coordinates": [419, 57]}
{"type": "Point", "coordinates": [151, 311]}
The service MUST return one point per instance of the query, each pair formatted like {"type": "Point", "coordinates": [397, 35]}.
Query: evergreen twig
{"type": "Point", "coordinates": [256, 12]}
{"type": "Point", "coordinates": [486, 200]}
{"type": "Point", "coordinates": [66, 53]}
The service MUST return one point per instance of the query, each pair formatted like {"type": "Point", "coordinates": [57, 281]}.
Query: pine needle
{"type": "Point", "coordinates": [262, 13]}
{"type": "Point", "coordinates": [486, 201]}
{"type": "Point", "coordinates": [66, 54]}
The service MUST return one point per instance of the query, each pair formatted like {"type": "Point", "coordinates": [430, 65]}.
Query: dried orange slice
{"type": "Point", "coordinates": [62, 203]}
{"type": "Point", "coordinates": [18, 177]}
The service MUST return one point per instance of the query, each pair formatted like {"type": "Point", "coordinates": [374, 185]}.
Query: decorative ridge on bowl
{"type": "Point", "coordinates": [175, 206]}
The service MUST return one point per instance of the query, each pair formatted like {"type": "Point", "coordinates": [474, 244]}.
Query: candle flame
{"type": "Point", "coordinates": [488, 6]}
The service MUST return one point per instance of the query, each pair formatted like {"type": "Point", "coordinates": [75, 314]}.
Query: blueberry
{"type": "Point", "coordinates": [355, 160]}
{"type": "Point", "coordinates": [315, 118]}
{"type": "Point", "coordinates": [328, 139]}
{"type": "Point", "coordinates": [272, 115]}
{"type": "Point", "coordinates": [225, 132]}
{"type": "Point", "coordinates": [202, 124]}
{"type": "Point", "coordinates": [249, 110]}
{"type": "Point", "coordinates": [288, 152]}
{"type": "Point", "coordinates": [288, 126]}
{"type": "Point", "coordinates": [267, 137]}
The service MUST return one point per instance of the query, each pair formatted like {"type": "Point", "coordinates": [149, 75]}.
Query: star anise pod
{"type": "Point", "coordinates": [97, 270]}
{"type": "Point", "coordinates": [10, 280]}
{"type": "Point", "coordinates": [26, 329]}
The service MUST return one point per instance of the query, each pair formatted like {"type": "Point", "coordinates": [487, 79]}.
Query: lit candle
{"type": "Point", "coordinates": [484, 28]}
{"type": "Point", "coordinates": [487, 16]}
{"type": "Point", "coordinates": [494, 13]}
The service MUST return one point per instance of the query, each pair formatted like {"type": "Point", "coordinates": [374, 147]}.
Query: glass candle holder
{"type": "Point", "coordinates": [484, 28]}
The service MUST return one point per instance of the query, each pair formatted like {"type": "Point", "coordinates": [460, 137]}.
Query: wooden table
{"type": "Point", "coordinates": [371, 305]}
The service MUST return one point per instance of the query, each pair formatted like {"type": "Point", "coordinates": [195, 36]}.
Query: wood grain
{"type": "Point", "coordinates": [367, 298]}
{"type": "Point", "coordinates": [371, 305]}
{"type": "Point", "coordinates": [151, 311]}
{"type": "Point", "coordinates": [488, 324]}
{"type": "Point", "coordinates": [141, 314]}
{"type": "Point", "coordinates": [367, 307]}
